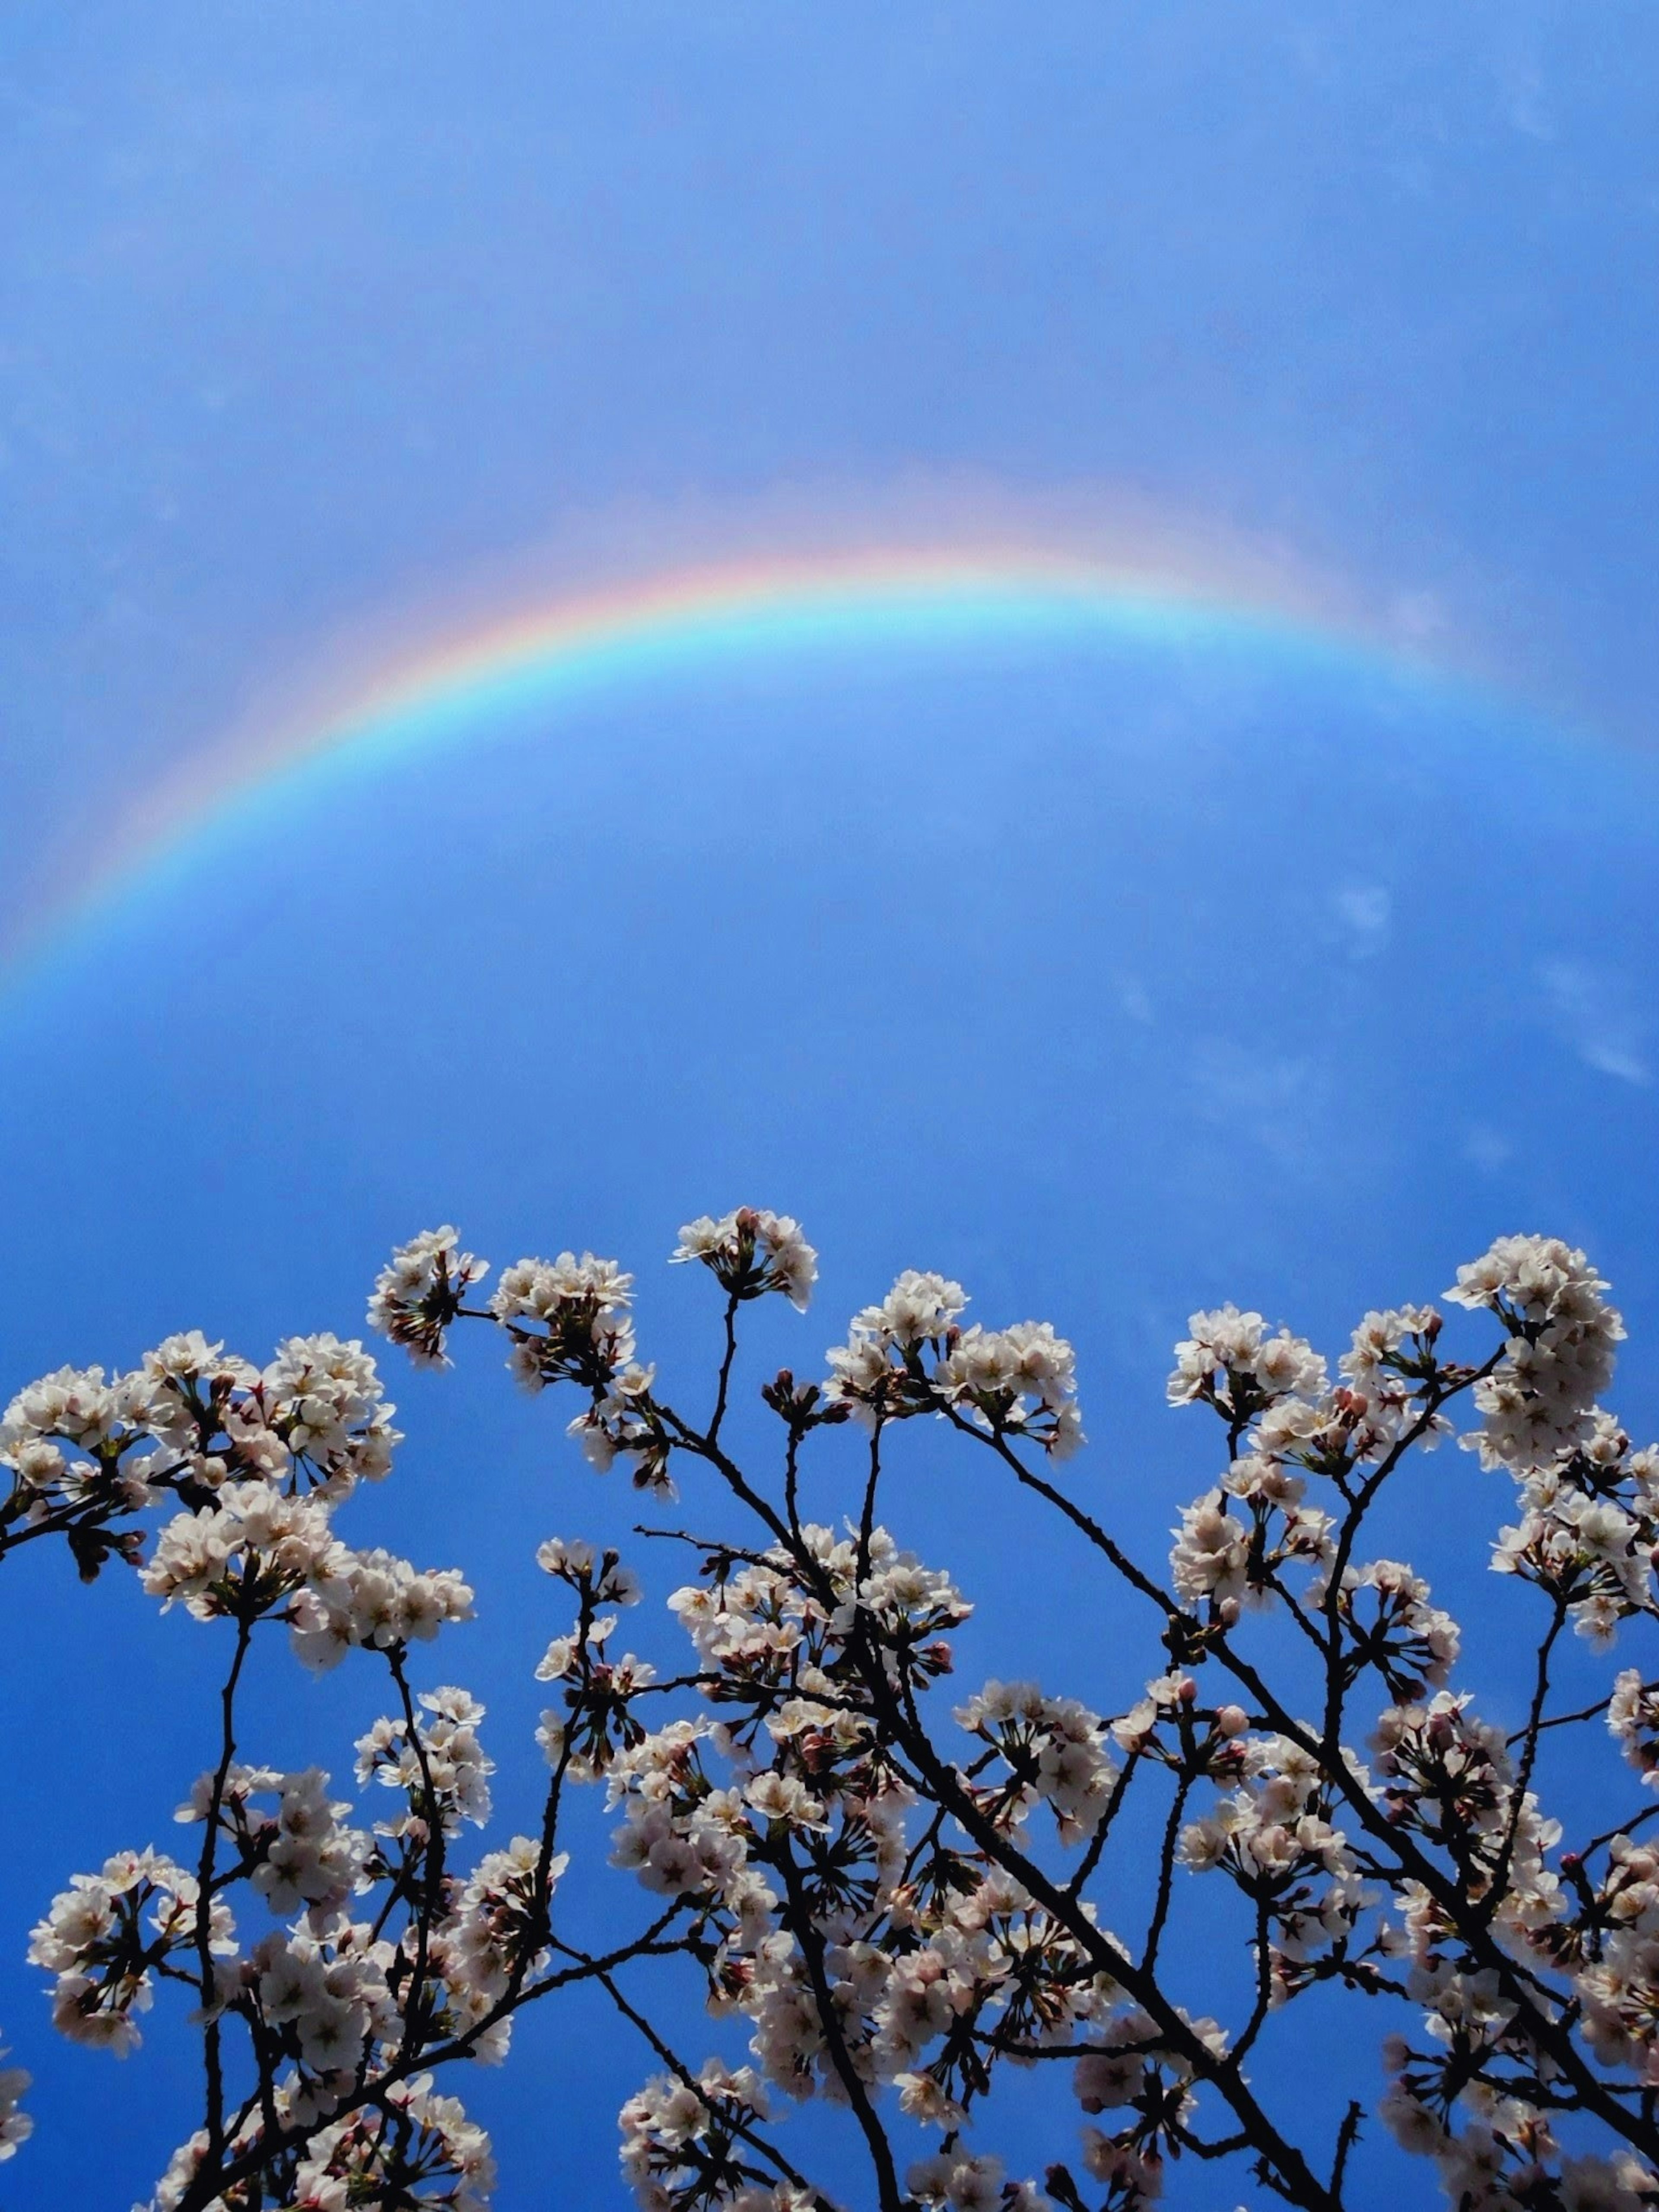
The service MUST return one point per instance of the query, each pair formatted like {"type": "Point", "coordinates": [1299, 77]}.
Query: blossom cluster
{"type": "Point", "coordinates": [297, 1853]}
{"type": "Point", "coordinates": [435, 2158]}
{"type": "Point", "coordinates": [784, 1825]}
{"type": "Point", "coordinates": [259, 1461]}
{"type": "Point", "coordinates": [1588, 1525]}
{"type": "Point", "coordinates": [326, 1997]}
{"type": "Point", "coordinates": [686, 2141]}
{"type": "Point", "coordinates": [570, 1320]}
{"type": "Point", "coordinates": [1136, 2072]}
{"type": "Point", "coordinates": [889, 1908]}
{"type": "Point", "coordinates": [1051, 1751]}
{"type": "Point", "coordinates": [1633, 1722]}
{"type": "Point", "coordinates": [494, 1934]}
{"type": "Point", "coordinates": [1275, 1836]}
{"type": "Point", "coordinates": [784, 1829]}
{"type": "Point", "coordinates": [84, 1448]}
{"type": "Point", "coordinates": [15, 2125]}
{"type": "Point", "coordinates": [437, 1763]}
{"type": "Point", "coordinates": [257, 1551]}
{"type": "Point", "coordinates": [418, 1293]}
{"type": "Point", "coordinates": [751, 1251]}
{"type": "Point", "coordinates": [106, 1936]}
{"type": "Point", "coordinates": [430, 2158]}
{"type": "Point", "coordinates": [910, 1355]}
{"type": "Point", "coordinates": [1562, 1333]}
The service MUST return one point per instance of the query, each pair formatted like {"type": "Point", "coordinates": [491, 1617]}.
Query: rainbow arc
{"type": "Point", "coordinates": [437, 697]}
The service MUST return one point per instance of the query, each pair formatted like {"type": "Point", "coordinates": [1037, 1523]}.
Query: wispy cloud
{"type": "Point", "coordinates": [1488, 1149]}
{"type": "Point", "coordinates": [1366, 913]}
{"type": "Point", "coordinates": [1593, 1015]}
{"type": "Point", "coordinates": [1271, 1099]}
{"type": "Point", "coordinates": [1134, 999]}
{"type": "Point", "coordinates": [1521, 101]}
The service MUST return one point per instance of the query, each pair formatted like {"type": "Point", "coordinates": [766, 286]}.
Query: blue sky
{"type": "Point", "coordinates": [313, 318]}
{"type": "Point", "coordinates": [1114, 979]}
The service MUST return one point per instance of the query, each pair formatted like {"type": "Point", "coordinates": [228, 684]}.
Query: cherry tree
{"type": "Point", "coordinates": [895, 1896]}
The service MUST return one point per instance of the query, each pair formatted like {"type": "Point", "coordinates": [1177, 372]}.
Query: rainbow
{"type": "Point", "coordinates": [439, 696]}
